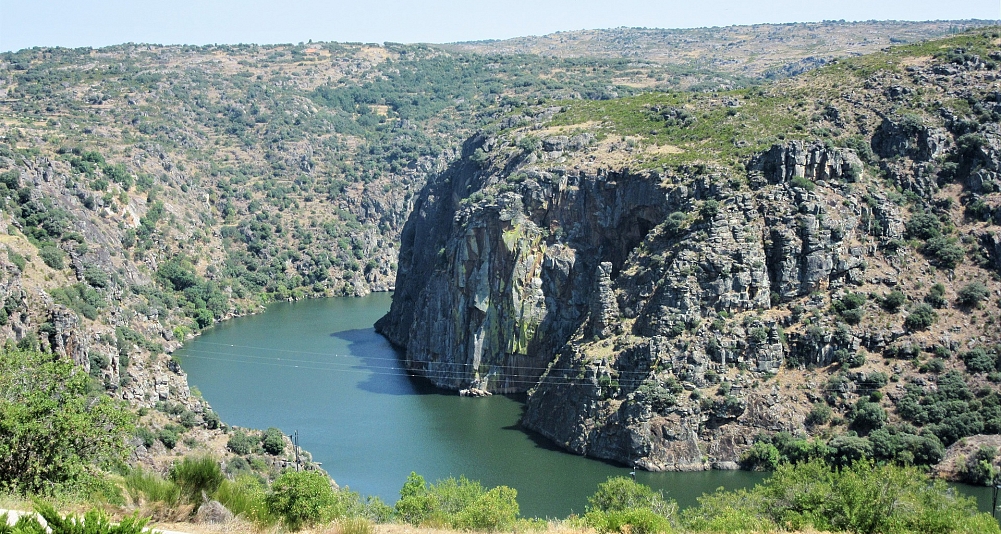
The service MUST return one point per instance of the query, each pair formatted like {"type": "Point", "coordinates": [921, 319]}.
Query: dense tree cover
{"type": "Point", "coordinates": [952, 410]}
{"type": "Point", "coordinates": [54, 429]}
{"type": "Point", "coordinates": [899, 444]}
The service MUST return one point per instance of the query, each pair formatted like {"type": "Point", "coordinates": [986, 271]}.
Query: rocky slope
{"type": "Point", "coordinates": [149, 191]}
{"type": "Point", "coordinates": [670, 275]}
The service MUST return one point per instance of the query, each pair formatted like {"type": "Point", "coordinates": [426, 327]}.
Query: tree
{"type": "Point", "coordinates": [936, 296]}
{"type": "Point", "coordinates": [972, 294]}
{"type": "Point", "coordinates": [52, 430]}
{"type": "Point", "coordinates": [867, 416]}
{"type": "Point", "coordinates": [894, 301]}
{"type": "Point", "coordinates": [301, 498]}
{"type": "Point", "coordinates": [923, 225]}
{"type": "Point", "coordinates": [819, 414]}
{"type": "Point", "coordinates": [943, 251]}
{"type": "Point", "coordinates": [273, 441]}
{"type": "Point", "coordinates": [921, 317]}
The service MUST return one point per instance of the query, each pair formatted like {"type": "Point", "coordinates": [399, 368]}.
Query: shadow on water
{"type": "Point", "coordinates": [379, 357]}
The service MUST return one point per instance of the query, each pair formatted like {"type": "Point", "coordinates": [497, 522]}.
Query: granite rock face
{"type": "Point", "coordinates": [663, 318]}
{"type": "Point", "coordinates": [592, 289]}
{"type": "Point", "coordinates": [488, 291]}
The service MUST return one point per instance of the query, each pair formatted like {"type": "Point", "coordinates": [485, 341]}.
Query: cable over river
{"type": "Point", "coordinates": [318, 367]}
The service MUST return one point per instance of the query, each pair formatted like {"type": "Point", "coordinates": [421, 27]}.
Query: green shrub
{"type": "Point", "coordinates": [979, 360]}
{"type": "Point", "coordinates": [893, 301]}
{"type": "Point", "coordinates": [95, 276]}
{"type": "Point", "coordinates": [803, 183]}
{"type": "Point", "coordinates": [849, 358]}
{"type": "Point", "coordinates": [923, 225]}
{"type": "Point", "coordinates": [675, 223]}
{"type": "Point", "coordinates": [972, 294]}
{"type": "Point", "coordinates": [936, 296]}
{"type": "Point", "coordinates": [728, 511]}
{"type": "Point", "coordinates": [921, 317]}
{"type": "Point", "coordinates": [17, 259]}
{"type": "Point", "coordinates": [846, 449]}
{"type": "Point", "coordinates": [760, 457]}
{"type": "Point", "coordinates": [820, 414]}
{"type": "Point", "coordinates": [623, 493]}
{"type": "Point", "coordinates": [867, 416]}
{"type": "Point", "coordinates": [197, 475]}
{"type": "Point", "coordinates": [241, 443]}
{"type": "Point", "coordinates": [168, 435]}
{"type": "Point", "coordinates": [456, 503]}
{"type": "Point", "coordinates": [273, 441]}
{"type": "Point", "coordinates": [497, 509]}
{"type": "Point", "coordinates": [355, 525]}
{"type": "Point", "coordinates": [979, 468]}
{"type": "Point", "coordinates": [709, 209]}
{"type": "Point", "coordinates": [245, 497]}
{"type": "Point", "coordinates": [301, 498]}
{"type": "Point", "coordinates": [629, 521]}
{"type": "Point", "coordinates": [861, 497]}
{"type": "Point", "coordinates": [622, 505]}
{"type": "Point", "coordinates": [95, 521]}
{"type": "Point", "coordinates": [943, 251]}
{"type": "Point", "coordinates": [52, 256]}
{"type": "Point", "coordinates": [211, 419]}
{"type": "Point", "coordinates": [56, 431]}
{"type": "Point", "coordinates": [144, 486]}
{"type": "Point", "coordinates": [147, 436]}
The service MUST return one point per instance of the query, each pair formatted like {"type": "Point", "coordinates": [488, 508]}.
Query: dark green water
{"type": "Point", "coordinates": [318, 367]}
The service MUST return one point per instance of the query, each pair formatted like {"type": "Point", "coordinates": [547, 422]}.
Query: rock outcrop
{"type": "Point", "coordinates": [665, 317]}
{"type": "Point", "coordinates": [593, 289]}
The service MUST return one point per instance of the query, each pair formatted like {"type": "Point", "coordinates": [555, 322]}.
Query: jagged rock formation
{"type": "Point", "coordinates": [647, 311]}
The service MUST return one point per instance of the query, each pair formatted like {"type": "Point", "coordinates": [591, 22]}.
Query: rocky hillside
{"type": "Point", "coordinates": [682, 281]}
{"type": "Point", "coordinates": [149, 191]}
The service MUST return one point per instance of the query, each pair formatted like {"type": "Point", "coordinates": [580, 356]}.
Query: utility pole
{"type": "Point", "coordinates": [996, 485]}
{"type": "Point", "coordinates": [295, 447]}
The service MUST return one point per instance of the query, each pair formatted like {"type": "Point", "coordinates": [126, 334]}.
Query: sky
{"type": "Point", "coordinates": [95, 23]}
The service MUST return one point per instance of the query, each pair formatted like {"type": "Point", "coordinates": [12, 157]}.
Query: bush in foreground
{"type": "Point", "coordinates": [301, 498]}
{"type": "Point", "coordinates": [622, 505]}
{"type": "Point", "coordinates": [863, 498]}
{"type": "Point", "coordinates": [93, 522]}
{"type": "Point", "coordinates": [457, 503]}
{"type": "Point", "coordinates": [53, 429]}
{"type": "Point", "coordinates": [197, 476]}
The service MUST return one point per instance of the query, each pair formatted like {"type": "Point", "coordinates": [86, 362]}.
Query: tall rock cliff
{"type": "Point", "coordinates": [666, 289]}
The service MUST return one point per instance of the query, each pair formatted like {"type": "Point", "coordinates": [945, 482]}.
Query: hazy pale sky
{"type": "Point", "coordinates": [76, 23]}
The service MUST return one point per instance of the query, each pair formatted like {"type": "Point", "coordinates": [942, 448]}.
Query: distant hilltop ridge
{"type": "Point", "coordinates": [752, 50]}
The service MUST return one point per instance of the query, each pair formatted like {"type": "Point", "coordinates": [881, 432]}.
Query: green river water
{"type": "Point", "coordinates": [319, 367]}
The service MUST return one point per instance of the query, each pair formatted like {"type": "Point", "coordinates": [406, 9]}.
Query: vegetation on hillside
{"type": "Point", "coordinates": [56, 428]}
{"type": "Point", "coordinates": [172, 187]}
{"type": "Point", "coordinates": [862, 497]}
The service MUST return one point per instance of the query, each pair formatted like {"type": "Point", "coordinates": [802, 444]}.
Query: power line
{"type": "Point", "coordinates": [400, 371]}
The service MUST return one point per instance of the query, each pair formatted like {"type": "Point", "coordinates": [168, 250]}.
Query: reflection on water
{"type": "Point", "coordinates": [318, 367]}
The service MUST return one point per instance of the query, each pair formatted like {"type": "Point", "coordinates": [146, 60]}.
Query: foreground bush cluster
{"type": "Point", "coordinates": [864, 498]}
